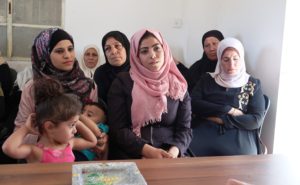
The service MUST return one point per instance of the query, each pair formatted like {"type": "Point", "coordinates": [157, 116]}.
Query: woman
{"type": "Point", "coordinates": [228, 105]}
{"type": "Point", "coordinates": [208, 62]}
{"type": "Point", "coordinates": [7, 105]}
{"type": "Point", "coordinates": [6, 77]}
{"type": "Point", "coordinates": [116, 48]}
{"type": "Point", "coordinates": [90, 60]}
{"type": "Point", "coordinates": [53, 56]}
{"type": "Point", "coordinates": [6, 83]}
{"type": "Point", "coordinates": [149, 109]}
{"type": "Point", "coordinates": [7, 108]}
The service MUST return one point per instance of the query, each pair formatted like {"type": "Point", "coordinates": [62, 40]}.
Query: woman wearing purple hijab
{"type": "Point", "coordinates": [53, 56]}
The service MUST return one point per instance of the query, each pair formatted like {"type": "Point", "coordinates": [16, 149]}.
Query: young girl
{"type": "Point", "coordinates": [57, 120]}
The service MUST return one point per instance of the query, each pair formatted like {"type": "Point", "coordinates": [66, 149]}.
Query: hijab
{"type": "Point", "coordinates": [203, 65]}
{"type": "Point", "coordinates": [89, 72]}
{"type": "Point", "coordinates": [121, 37]}
{"type": "Point", "coordinates": [72, 81]}
{"type": "Point", "coordinates": [106, 73]}
{"type": "Point", "coordinates": [151, 89]}
{"type": "Point", "coordinates": [212, 33]}
{"type": "Point", "coordinates": [23, 77]}
{"type": "Point", "coordinates": [222, 78]}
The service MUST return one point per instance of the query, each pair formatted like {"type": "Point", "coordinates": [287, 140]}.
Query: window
{"type": "Point", "coordinates": [22, 20]}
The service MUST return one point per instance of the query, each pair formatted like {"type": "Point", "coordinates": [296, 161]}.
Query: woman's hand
{"type": "Point", "coordinates": [152, 152]}
{"type": "Point", "coordinates": [216, 120]}
{"type": "Point", "coordinates": [235, 112]}
{"type": "Point", "coordinates": [174, 151]}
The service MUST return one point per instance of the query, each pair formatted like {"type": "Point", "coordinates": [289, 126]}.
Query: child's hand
{"type": "Point", "coordinates": [101, 151]}
{"type": "Point", "coordinates": [29, 124]}
{"type": "Point", "coordinates": [102, 143]}
{"type": "Point", "coordinates": [102, 139]}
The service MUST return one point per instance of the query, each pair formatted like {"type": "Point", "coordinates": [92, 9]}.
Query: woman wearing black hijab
{"type": "Point", "coordinates": [208, 62]}
{"type": "Point", "coordinates": [116, 48]}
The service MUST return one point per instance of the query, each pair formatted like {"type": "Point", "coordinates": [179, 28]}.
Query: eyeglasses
{"type": "Point", "coordinates": [109, 48]}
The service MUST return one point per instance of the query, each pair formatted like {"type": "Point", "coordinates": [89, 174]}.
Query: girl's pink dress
{"type": "Point", "coordinates": [57, 156]}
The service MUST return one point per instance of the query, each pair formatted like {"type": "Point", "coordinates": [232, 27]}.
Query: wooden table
{"type": "Point", "coordinates": [258, 170]}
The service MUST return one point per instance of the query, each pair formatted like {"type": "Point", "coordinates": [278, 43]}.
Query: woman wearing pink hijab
{"type": "Point", "coordinates": [149, 108]}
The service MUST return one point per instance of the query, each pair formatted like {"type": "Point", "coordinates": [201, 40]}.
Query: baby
{"type": "Point", "coordinates": [96, 111]}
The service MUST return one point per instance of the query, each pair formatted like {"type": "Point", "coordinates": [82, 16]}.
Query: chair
{"type": "Point", "coordinates": [262, 148]}
{"type": "Point", "coordinates": [190, 153]}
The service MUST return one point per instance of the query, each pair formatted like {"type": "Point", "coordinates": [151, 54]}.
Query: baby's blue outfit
{"type": "Point", "coordinates": [88, 152]}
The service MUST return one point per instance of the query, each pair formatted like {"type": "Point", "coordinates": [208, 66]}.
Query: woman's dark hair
{"type": "Point", "coordinates": [52, 104]}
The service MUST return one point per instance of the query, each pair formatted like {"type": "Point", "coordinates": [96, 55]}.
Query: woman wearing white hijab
{"type": "Point", "coordinates": [90, 60]}
{"type": "Point", "coordinates": [228, 105]}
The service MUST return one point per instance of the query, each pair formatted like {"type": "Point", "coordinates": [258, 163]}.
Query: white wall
{"type": "Point", "coordinates": [88, 21]}
{"type": "Point", "coordinates": [258, 24]}
{"type": "Point", "coordinates": [287, 128]}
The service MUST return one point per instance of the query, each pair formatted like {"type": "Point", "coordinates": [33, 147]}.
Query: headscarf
{"type": "Point", "coordinates": [150, 89]}
{"type": "Point", "coordinates": [222, 78]}
{"type": "Point", "coordinates": [212, 33]}
{"type": "Point", "coordinates": [72, 81]}
{"type": "Point", "coordinates": [121, 37]}
{"type": "Point", "coordinates": [89, 72]}
{"type": "Point", "coordinates": [58, 36]}
{"type": "Point", "coordinates": [203, 65]}
{"type": "Point", "coordinates": [23, 77]}
{"type": "Point", "coordinates": [106, 73]}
